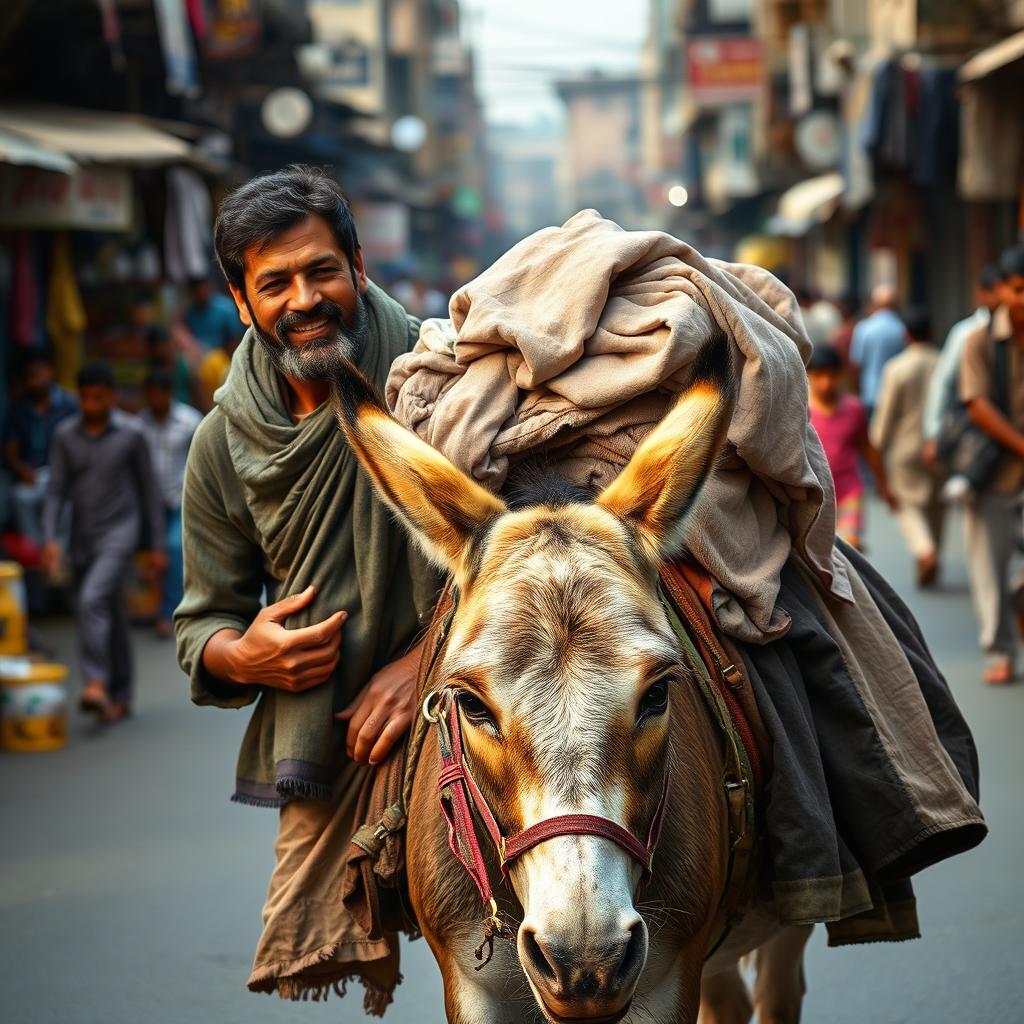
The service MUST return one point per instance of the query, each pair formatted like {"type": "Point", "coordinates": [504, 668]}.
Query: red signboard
{"type": "Point", "coordinates": [724, 69]}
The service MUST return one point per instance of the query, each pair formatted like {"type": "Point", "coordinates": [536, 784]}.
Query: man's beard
{"type": "Point", "coordinates": [321, 358]}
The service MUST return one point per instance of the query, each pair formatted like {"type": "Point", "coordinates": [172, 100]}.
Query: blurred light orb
{"type": "Point", "coordinates": [408, 133]}
{"type": "Point", "coordinates": [286, 112]}
{"type": "Point", "coordinates": [678, 196]}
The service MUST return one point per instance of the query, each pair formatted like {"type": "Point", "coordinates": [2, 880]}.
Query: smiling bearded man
{"type": "Point", "coordinates": [274, 501]}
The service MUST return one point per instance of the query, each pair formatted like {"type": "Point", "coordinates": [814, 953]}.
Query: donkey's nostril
{"type": "Point", "coordinates": [543, 963]}
{"type": "Point", "coordinates": [633, 956]}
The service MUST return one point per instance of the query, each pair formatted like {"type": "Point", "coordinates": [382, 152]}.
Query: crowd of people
{"type": "Point", "coordinates": [935, 428]}
{"type": "Point", "coordinates": [87, 484]}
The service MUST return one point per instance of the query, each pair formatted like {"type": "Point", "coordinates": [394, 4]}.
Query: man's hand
{"type": "Point", "coordinates": [268, 654]}
{"type": "Point", "coordinates": [49, 558]}
{"type": "Point", "coordinates": [930, 454]}
{"type": "Point", "coordinates": [381, 715]}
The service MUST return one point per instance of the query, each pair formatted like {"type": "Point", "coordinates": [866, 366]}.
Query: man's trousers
{"type": "Point", "coordinates": [103, 630]}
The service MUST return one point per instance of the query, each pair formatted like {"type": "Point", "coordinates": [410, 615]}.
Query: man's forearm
{"type": "Point", "coordinates": [217, 655]}
{"type": "Point", "coordinates": [996, 425]}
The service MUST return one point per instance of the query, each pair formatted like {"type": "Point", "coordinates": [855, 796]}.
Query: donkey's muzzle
{"type": "Point", "coordinates": [593, 982]}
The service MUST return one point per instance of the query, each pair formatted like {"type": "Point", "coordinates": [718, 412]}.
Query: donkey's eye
{"type": "Point", "coordinates": [476, 711]}
{"type": "Point", "coordinates": [655, 701]}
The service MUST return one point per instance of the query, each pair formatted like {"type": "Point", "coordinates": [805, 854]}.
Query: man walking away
{"type": "Point", "coordinates": [168, 426]}
{"type": "Point", "coordinates": [31, 424]}
{"type": "Point", "coordinates": [944, 388]}
{"type": "Point", "coordinates": [992, 522]}
{"type": "Point", "coordinates": [100, 464]}
{"type": "Point", "coordinates": [876, 340]}
{"type": "Point", "coordinates": [896, 431]}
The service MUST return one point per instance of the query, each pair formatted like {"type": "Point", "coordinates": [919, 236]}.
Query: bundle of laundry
{"type": "Point", "coordinates": [576, 341]}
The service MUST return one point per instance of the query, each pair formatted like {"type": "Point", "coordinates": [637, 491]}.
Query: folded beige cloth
{"type": "Point", "coordinates": [574, 342]}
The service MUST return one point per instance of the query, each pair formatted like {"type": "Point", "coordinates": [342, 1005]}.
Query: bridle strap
{"type": "Point", "coordinates": [460, 795]}
{"type": "Point", "coordinates": [576, 825]}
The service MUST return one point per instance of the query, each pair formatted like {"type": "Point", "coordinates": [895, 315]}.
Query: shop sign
{"type": "Point", "coordinates": [92, 198]}
{"type": "Point", "coordinates": [724, 69]}
{"type": "Point", "coordinates": [353, 33]}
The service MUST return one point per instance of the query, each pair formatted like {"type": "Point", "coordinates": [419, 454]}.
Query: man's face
{"type": "Point", "coordinates": [824, 385]}
{"type": "Point", "coordinates": [96, 403]}
{"type": "Point", "coordinates": [158, 400]}
{"type": "Point", "coordinates": [304, 301]}
{"type": "Point", "coordinates": [38, 378]}
{"type": "Point", "coordinates": [1011, 295]}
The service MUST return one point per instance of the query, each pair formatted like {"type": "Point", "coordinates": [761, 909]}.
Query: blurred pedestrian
{"type": "Point", "coordinates": [168, 425]}
{"type": "Point", "coordinates": [993, 519]}
{"type": "Point", "coordinates": [944, 387]}
{"type": "Point", "coordinates": [162, 352]}
{"type": "Point", "coordinates": [211, 316]}
{"type": "Point", "coordinates": [896, 432]}
{"type": "Point", "coordinates": [28, 437]}
{"type": "Point", "coordinates": [213, 371]}
{"type": "Point", "coordinates": [876, 339]}
{"type": "Point", "coordinates": [100, 465]}
{"type": "Point", "coordinates": [842, 336]}
{"type": "Point", "coordinates": [842, 425]}
{"type": "Point", "coordinates": [821, 316]}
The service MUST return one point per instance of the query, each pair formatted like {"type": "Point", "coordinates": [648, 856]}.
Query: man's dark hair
{"type": "Point", "coordinates": [96, 375]}
{"type": "Point", "coordinates": [918, 322]}
{"type": "Point", "coordinates": [989, 277]}
{"type": "Point", "coordinates": [261, 209]}
{"type": "Point", "coordinates": [38, 355]}
{"type": "Point", "coordinates": [159, 378]}
{"type": "Point", "coordinates": [1011, 262]}
{"type": "Point", "coordinates": [825, 357]}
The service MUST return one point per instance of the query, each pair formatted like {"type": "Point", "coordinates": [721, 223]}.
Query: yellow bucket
{"type": "Point", "coordinates": [13, 610]}
{"type": "Point", "coordinates": [33, 705]}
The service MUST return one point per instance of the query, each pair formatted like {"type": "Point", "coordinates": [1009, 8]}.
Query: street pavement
{"type": "Point", "coordinates": [130, 888]}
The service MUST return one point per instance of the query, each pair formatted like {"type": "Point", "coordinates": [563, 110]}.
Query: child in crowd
{"type": "Point", "coordinates": [842, 425]}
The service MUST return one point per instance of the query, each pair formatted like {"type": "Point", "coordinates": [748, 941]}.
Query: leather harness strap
{"type": "Point", "coordinates": [460, 796]}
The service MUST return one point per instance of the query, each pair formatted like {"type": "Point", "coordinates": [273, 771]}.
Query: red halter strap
{"type": "Point", "coordinates": [460, 795]}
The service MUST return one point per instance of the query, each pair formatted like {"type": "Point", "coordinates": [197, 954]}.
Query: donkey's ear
{"type": "Point", "coordinates": [662, 480]}
{"type": "Point", "coordinates": [440, 506]}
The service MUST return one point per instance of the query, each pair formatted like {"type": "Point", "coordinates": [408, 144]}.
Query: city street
{"type": "Point", "coordinates": [130, 887]}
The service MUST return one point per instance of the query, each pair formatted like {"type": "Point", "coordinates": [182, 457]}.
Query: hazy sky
{"type": "Point", "coordinates": [522, 45]}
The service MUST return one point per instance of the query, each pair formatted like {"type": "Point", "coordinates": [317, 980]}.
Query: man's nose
{"type": "Point", "coordinates": [305, 295]}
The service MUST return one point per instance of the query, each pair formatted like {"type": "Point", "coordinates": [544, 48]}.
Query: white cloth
{"type": "Point", "coordinates": [575, 342]}
{"type": "Point", "coordinates": [169, 442]}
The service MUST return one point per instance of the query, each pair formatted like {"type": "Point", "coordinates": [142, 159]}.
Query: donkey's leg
{"type": "Point", "coordinates": [724, 998]}
{"type": "Point", "coordinates": [779, 988]}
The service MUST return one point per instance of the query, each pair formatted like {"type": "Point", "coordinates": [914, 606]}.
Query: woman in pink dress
{"type": "Point", "coordinates": [842, 425]}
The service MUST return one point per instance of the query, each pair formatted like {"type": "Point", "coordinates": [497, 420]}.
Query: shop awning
{"type": "Point", "coordinates": [93, 137]}
{"type": "Point", "coordinates": [993, 58]}
{"type": "Point", "coordinates": [808, 203]}
{"type": "Point", "coordinates": [20, 151]}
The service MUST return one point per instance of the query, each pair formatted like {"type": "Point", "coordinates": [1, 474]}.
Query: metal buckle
{"type": "Point", "coordinates": [431, 718]}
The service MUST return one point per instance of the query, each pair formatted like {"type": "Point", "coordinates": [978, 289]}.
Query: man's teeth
{"type": "Point", "coordinates": [308, 328]}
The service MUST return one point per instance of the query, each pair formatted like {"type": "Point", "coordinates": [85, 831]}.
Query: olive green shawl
{"type": "Point", "coordinates": [273, 503]}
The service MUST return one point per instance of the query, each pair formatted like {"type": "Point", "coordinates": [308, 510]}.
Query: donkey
{"type": "Point", "coordinates": [572, 697]}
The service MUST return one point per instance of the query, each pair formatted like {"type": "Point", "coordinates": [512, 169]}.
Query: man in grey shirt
{"type": "Point", "coordinates": [100, 464]}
